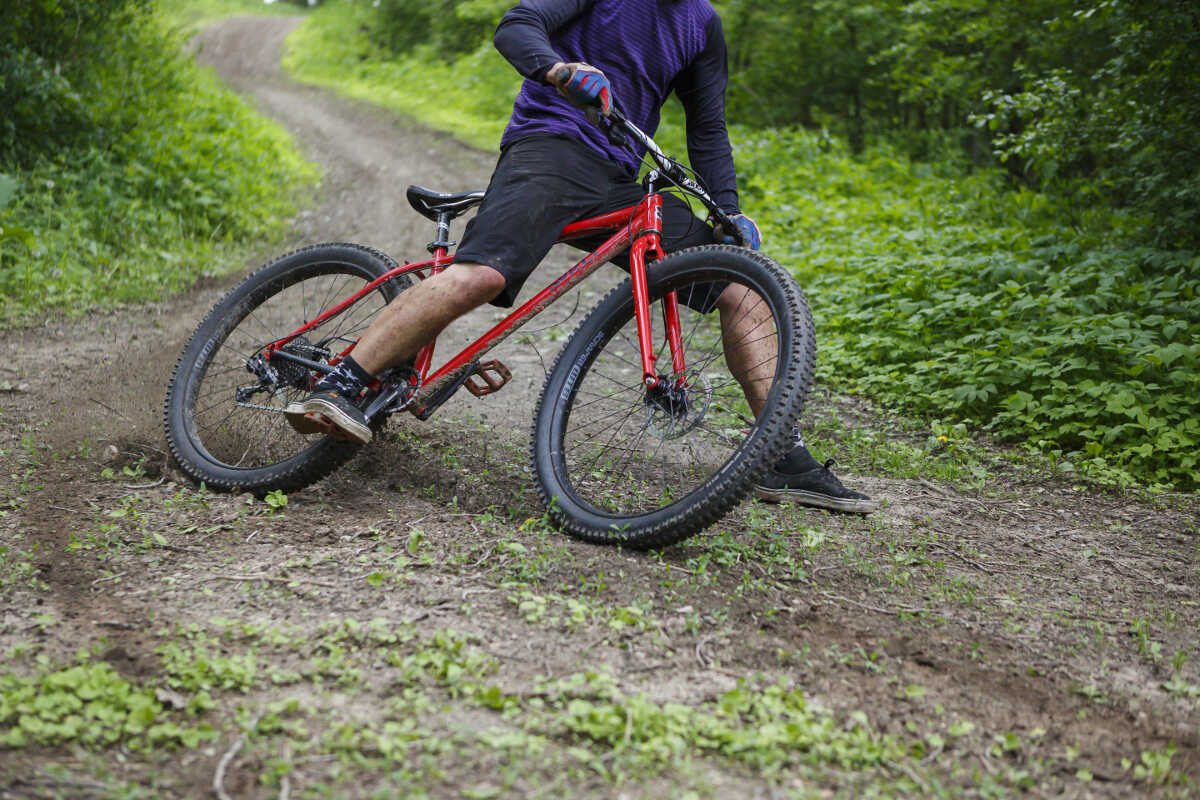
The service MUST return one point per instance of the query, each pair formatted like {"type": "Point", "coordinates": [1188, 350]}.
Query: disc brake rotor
{"type": "Point", "coordinates": [672, 411]}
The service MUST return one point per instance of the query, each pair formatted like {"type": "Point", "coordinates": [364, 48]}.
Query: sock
{"type": "Point", "coordinates": [798, 459]}
{"type": "Point", "coordinates": [347, 379]}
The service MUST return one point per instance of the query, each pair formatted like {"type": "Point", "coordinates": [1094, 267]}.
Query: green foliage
{"type": "Point", "coordinates": [1121, 122]}
{"type": "Point", "coordinates": [276, 501]}
{"type": "Point", "coordinates": [949, 296]}
{"type": "Point", "coordinates": [198, 668]}
{"type": "Point", "coordinates": [174, 168]}
{"type": "Point", "coordinates": [18, 570]}
{"type": "Point", "coordinates": [446, 28]}
{"type": "Point", "coordinates": [47, 49]}
{"type": "Point", "coordinates": [472, 97]}
{"type": "Point", "coordinates": [88, 703]}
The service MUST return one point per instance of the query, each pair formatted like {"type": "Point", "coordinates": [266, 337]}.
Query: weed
{"type": "Point", "coordinates": [88, 703]}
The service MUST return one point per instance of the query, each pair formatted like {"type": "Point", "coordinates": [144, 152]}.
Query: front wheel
{"type": "Point", "coordinates": [224, 409]}
{"type": "Point", "coordinates": [618, 463]}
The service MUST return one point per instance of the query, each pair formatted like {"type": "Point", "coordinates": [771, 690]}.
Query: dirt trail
{"type": "Point", "coordinates": [1061, 623]}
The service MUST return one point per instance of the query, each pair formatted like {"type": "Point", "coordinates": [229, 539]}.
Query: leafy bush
{"type": "Point", "coordinates": [446, 28]}
{"type": "Point", "coordinates": [941, 292]}
{"type": "Point", "coordinates": [1125, 121]}
{"type": "Point", "coordinates": [172, 168]}
{"type": "Point", "coordinates": [47, 50]}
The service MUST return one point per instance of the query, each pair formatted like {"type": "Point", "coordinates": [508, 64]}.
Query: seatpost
{"type": "Point", "coordinates": [443, 236]}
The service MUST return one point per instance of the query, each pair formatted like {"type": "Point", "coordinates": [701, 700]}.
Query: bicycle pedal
{"type": "Point", "coordinates": [493, 375]}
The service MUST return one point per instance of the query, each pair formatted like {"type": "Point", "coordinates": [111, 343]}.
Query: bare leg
{"type": "Point", "coordinates": [749, 338]}
{"type": "Point", "coordinates": [421, 312]}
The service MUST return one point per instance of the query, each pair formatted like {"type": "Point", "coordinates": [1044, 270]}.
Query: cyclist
{"type": "Point", "coordinates": [557, 166]}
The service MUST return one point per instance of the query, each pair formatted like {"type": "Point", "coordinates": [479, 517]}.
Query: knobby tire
{"type": "Point", "coordinates": [613, 464]}
{"type": "Point", "coordinates": [232, 447]}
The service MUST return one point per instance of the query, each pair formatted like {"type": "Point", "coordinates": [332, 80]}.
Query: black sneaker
{"type": "Point", "coordinates": [327, 411]}
{"type": "Point", "coordinates": [817, 487]}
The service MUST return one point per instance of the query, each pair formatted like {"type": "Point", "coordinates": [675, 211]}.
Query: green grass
{"type": "Point", "coordinates": [470, 98]}
{"type": "Point", "coordinates": [176, 178]}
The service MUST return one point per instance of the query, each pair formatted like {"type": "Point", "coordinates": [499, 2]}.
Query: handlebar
{"type": "Point", "coordinates": [674, 172]}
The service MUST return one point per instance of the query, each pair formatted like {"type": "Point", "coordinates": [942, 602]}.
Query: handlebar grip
{"type": "Point", "coordinates": [728, 229]}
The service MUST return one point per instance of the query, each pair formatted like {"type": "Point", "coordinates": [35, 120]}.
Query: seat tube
{"type": "Point", "coordinates": [440, 249]}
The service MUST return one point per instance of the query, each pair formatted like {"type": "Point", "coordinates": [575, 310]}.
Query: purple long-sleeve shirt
{"type": "Point", "coordinates": [647, 49]}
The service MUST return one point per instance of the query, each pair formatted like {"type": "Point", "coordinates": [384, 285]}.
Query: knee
{"type": "Point", "coordinates": [473, 284]}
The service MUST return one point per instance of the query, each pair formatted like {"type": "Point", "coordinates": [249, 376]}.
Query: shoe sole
{"type": "Point", "coordinates": [317, 416]}
{"type": "Point", "coordinates": [814, 500]}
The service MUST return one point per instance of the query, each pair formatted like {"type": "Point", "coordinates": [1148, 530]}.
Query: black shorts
{"type": "Point", "coordinates": [542, 183]}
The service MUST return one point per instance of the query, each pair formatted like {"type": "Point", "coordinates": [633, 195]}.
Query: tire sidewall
{"type": "Point", "coordinates": [729, 484]}
{"type": "Point", "coordinates": [208, 339]}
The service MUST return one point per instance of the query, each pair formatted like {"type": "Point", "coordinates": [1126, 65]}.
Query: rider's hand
{"type": "Point", "coordinates": [583, 85]}
{"type": "Point", "coordinates": [751, 235]}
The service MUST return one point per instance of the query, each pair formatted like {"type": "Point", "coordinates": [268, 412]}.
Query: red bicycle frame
{"type": "Point", "coordinates": [637, 228]}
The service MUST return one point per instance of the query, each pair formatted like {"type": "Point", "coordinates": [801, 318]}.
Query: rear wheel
{"type": "Point", "coordinates": [224, 407]}
{"type": "Point", "coordinates": [619, 463]}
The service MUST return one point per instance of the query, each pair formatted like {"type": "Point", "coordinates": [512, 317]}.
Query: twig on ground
{"type": "Point", "coordinates": [701, 657]}
{"type": "Point", "coordinates": [484, 558]}
{"type": "Point", "coordinates": [218, 782]}
{"type": "Point", "coordinates": [367, 547]}
{"type": "Point", "coordinates": [962, 558]}
{"type": "Point", "coordinates": [144, 485]}
{"type": "Point", "coordinates": [110, 408]}
{"type": "Point", "coordinates": [273, 579]}
{"type": "Point", "coordinates": [285, 781]}
{"type": "Point", "coordinates": [907, 770]}
{"type": "Point", "coordinates": [896, 611]}
{"type": "Point", "coordinates": [934, 487]}
{"type": "Point", "coordinates": [109, 578]}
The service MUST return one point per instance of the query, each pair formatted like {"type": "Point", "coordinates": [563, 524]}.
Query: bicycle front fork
{"type": "Point", "coordinates": [649, 242]}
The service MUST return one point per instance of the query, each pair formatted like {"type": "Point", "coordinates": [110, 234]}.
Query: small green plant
{"type": "Point", "coordinates": [90, 704]}
{"type": "Point", "coordinates": [276, 501]}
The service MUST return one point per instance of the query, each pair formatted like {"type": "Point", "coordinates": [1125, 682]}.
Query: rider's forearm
{"type": "Point", "coordinates": [523, 36]}
{"type": "Point", "coordinates": [701, 89]}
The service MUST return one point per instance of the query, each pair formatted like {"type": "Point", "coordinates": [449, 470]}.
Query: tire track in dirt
{"type": "Point", "coordinates": [101, 379]}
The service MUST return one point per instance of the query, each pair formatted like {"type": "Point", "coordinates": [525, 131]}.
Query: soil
{"type": "Point", "coordinates": [1059, 620]}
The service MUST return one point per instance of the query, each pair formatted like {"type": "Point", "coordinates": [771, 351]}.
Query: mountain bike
{"type": "Point", "coordinates": [651, 424]}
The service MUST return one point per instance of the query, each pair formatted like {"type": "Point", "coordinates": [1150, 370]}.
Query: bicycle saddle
{"type": "Point", "coordinates": [433, 204]}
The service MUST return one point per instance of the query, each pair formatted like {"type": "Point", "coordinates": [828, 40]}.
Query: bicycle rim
{"type": "Point", "coordinates": [648, 467]}
{"type": "Point", "coordinates": [233, 417]}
